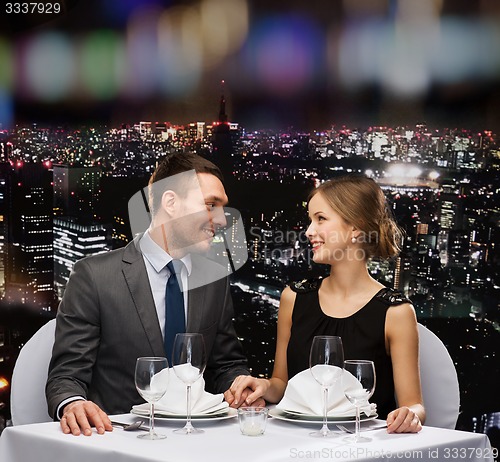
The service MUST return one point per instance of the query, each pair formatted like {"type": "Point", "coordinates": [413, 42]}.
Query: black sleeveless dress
{"type": "Point", "coordinates": [362, 333]}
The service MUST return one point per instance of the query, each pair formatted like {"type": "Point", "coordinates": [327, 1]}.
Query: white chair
{"type": "Point", "coordinates": [439, 380]}
{"type": "Point", "coordinates": [27, 398]}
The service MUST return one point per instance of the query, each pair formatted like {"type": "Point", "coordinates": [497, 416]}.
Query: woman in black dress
{"type": "Point", "coordinates": [350, 223]}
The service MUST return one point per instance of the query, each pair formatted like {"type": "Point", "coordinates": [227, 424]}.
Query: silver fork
{"type": "Point", "coordinates": [348, 430]}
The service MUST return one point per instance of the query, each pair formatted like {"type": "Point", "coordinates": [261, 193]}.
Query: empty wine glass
{"type": "Point", "coordinates": [326, 361]}
{"type": "Point", "coordinates": [151, 380]}
{"type": "Point", "coordinates": [189, 360]}
{"type": "Point", "coordinates": [364, 372]}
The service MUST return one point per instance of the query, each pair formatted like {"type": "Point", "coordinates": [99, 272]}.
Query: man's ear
{"type": "Point", "coordinates": [169, 202]}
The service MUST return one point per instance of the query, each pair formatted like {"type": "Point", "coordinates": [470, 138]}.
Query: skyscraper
{"type": "Point", "coordinates": [77, 230]}
{"type": "Point", "coordinates": [223, 140]}
{"type": "Point", "coordinates": [76, 191]}
{"type": "Point", "coordinates": [72, 242]}
{"type": "Point", "coordinates": [28, 234]}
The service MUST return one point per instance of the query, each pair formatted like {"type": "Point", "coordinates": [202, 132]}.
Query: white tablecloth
{"type": "Point", "coordinates": [223, 441]}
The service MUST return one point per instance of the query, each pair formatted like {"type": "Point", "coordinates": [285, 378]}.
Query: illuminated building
{"type": "Point", "coordinates": [76, 191]}
{"type": "Point", "coordinates": [72, 242]}
{"type": "Point", "coordinates": [29, 269]}
{"type": "Point", "coordinates": [77, 234]}
{"type": "Point", "coordinates": [450, 211]}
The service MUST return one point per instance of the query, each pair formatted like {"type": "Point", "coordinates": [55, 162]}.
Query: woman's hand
{"type": "Point", "coordinates": [403, 420]}
{"type": "Point", "coordinates": [246, 390]}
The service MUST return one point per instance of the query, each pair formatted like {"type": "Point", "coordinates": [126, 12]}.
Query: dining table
{"type": "Point", "coordinates": [222, 440]}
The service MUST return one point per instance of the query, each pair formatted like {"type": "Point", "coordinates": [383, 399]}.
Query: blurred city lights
{"type": "Point", "coordinates": [404, 48]}
{"type": "Point", "coordinates": [224, 27]}
{"type": "Point", "coordinates": [102, 64]}
{"type": "Point", "coordinates": [49, 68]}
{"type": "Point", "coordinates": [405, 57]}
{"type": "Point", "coordinates": [119, 11]}
{"type": "Point", "coordinates": [283, 53]}
{"type": "Point", "coordinates": [6, 65]}
{"type": "Point", "coordinates": [142, 77]}
{"type": "Point", "coordinates": [404, 171]}
{"type": "Point", "coordinates": [6, 110]}
{"type": "Point", "coordinates": [396, 170]}
{"type": "Point", "coordinates": [180, 50]}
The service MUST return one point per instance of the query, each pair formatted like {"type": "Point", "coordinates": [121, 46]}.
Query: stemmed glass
{"type": "Point", "coordinates": [189, 361]}
{"type": "Point", "coordinates": [326, 361]}
{"type": "Point", "coordinates": [364, 372]}
{"type": "Point", "coordinates": [151, 381]}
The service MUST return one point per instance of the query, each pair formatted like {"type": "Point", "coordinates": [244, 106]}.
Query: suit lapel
{"type": "Point", "coordinates": [196, 306]}
{"type": "Point", "coordinates": [196, 300]}
{"type": "Point", "coordinates": [134, 271]}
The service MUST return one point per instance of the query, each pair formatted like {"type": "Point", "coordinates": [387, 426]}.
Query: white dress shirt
{"type": "Point", "coordinates": [156, 260]}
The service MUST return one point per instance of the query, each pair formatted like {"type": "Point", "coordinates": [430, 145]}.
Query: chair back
{"type": "Point", "coordinates": [439, 380]}
{"type": "Point", "coordinates": [27, 398]}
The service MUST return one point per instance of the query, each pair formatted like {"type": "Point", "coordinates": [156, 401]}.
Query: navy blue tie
{"type": "Point", "coordinates": [174, 307]}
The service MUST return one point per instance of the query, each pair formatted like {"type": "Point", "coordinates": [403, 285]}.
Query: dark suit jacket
{"type": "Point", "coordinates": [108, 318]}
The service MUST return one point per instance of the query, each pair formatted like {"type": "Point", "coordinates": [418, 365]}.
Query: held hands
{"type": "Point", "coordinates": [403, 420]}
{"type": "Point", "coordinates": [246, 391]}
{"type": "Point", "coordinates": [78, 417]}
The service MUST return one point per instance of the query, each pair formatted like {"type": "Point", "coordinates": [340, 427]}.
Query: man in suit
{"type": "Point", "coordinates": [113, 309]}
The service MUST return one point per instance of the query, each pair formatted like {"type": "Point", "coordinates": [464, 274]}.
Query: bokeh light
{"type": "Point", "coordinates": [180, 51]}
{"type": "Point", "coordinates": [120, 11]}
{"type": "Point", "coordinates": [6, 65]}
{"type": "Point", "coordinates": [284, 54]}
{"type": "Point", "coordinates": [399, 51]}
{"type": "Point", "coordinates": [102, 64]}
{"type": "Point", "coordinates": [406, 57]}
{"type": "Point", "coordinates": [466, 50]}
{"type": "Point", "coordinates": [6, 85]}
{"type": "Point", "coordinates": [142, 54]}
{"type": "Point", "coordinates": [224, 27]}
{"type": "Point", "coordinates": [49, 69]}
{"type": "Point", "coordinates": [6, 110]}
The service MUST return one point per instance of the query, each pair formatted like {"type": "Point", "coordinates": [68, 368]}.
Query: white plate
{"type": "Point", "coordinates": [143, 409]}
{"type": "Point", "coordinates": [227, 413]}
{"type": "Point", "coordinates": [305, 418]}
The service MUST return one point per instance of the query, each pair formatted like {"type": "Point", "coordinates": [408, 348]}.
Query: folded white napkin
{"type": "Point", "coordinates": [174, 401]}
{"type": "Point", "coordinates": [304, 395]}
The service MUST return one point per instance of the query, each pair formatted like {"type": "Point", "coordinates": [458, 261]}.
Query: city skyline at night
{"type": "Point", "coordinates": [442, 186]}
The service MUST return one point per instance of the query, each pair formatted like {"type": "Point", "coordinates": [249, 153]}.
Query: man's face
{"type": "Point", "coordinates": [198, 216]}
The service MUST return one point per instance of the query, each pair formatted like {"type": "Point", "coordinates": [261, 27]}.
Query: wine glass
{"type": "Point", "coordinates": [189, 360]}
{"type": "Point", "coordinates": [151, 380]}
{"type": "Point", "coordinates": [364, 372]}
{"type": "Point", "coordinates": [326, 361]}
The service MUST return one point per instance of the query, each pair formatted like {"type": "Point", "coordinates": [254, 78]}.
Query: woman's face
{"type": "Point", "coordinates": [329, 234]}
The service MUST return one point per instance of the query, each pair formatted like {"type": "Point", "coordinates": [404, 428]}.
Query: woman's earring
{"type": "Point", "coordinates": [353, 240]}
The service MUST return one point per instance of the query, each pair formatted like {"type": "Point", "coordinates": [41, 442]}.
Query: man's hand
{"type": "Point", "coordinates": [229, 397]}
{"type": "Point", "coordinates": [79, 416]}
{"type": "Point", "coordinates": [246, 391]}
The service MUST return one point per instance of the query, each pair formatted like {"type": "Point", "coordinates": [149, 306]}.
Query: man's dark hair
{"type": "Point", "coordinates": [174, 164]}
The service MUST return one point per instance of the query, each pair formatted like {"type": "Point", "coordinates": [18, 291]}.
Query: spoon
{"type": "Point", "coordinates": [130, 427]}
